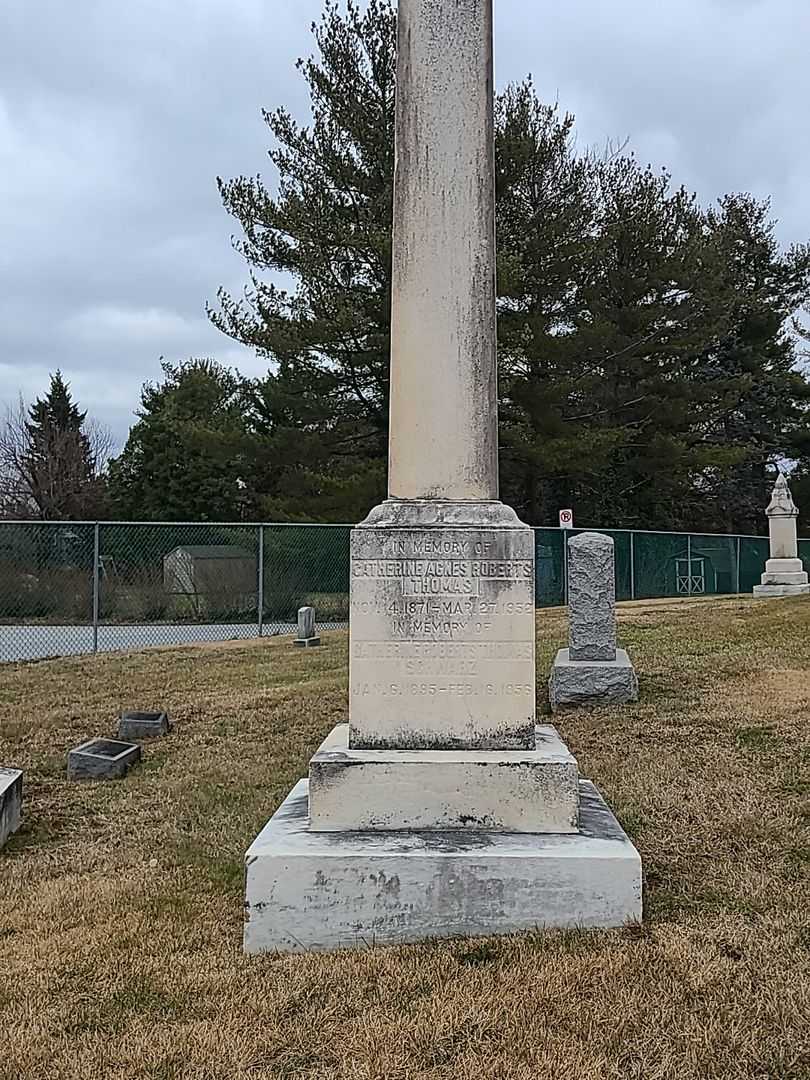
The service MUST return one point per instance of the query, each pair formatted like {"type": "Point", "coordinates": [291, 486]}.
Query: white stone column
{"type": "Point", "coordinates": [442, 596]}
{"type": "Point", "coordinates": [444, 420]}
{"type": "Point", "coordinates": [782, 516]}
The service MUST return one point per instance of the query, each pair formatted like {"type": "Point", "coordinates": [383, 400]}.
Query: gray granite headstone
{"type": "Point", "coordinates": [592, 597]}
{"type": "Point", "coordinates": [593, 671]}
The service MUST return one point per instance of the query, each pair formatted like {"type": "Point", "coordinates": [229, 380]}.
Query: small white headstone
{"type": "Point", "coordinates": [307, 636]}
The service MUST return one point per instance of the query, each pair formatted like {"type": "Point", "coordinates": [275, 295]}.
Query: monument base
{"type": "Point", "coordinates": [320, 891]}
{"type": "Point", "coordinates": [307, 643]}
{"type": "Point", "coordinates": [522, 791]}
{"type": "Point", "coordinates": [783, 577]}
{"type": "Point", "coordinates": [592, 682]}
{"type": "Point", "coordinates": [770, 592]}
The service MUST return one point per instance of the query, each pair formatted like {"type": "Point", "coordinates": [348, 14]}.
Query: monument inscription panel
{"type": "Point", "coordinates": [442, 638]}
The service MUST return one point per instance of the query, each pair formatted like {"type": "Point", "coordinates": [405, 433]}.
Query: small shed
{"type": "Point", "coordinates": [707, 567]}
{"type": "Point", "coordinates": [203, 570]}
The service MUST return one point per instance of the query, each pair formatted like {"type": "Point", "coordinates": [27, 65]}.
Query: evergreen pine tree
{"type": "Point", "coordinates": [59, 462]}
{"type": "Point", "coordinates": [187, 457]}
{"type": "Point", "coordinates": [322, 411]}
{"type": "Point", "coordinates": [757, 399]}
{"type": "Point", "coordinates": [646, 375]}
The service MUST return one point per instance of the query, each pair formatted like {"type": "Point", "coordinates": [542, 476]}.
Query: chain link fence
{"type": "Point", "coordinates": [68, 588]}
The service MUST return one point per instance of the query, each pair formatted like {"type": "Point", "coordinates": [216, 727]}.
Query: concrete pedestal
{"type": "Point", "coordinates": [521, 791]}
{"type": "Point", "coordinates": [317, 891]}
{"type": "Point", "coordinates": [592, 682]}
{"type": "Point", "coordinates": [11, 781]}
{"type": "Point", "coordinates": [770, 592]}
{"type": "Point", "coordinates": [783, 577]}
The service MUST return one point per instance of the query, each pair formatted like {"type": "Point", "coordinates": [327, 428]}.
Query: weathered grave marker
{"type": "Point", "coordinates": [785, 574]}
{"type": "Point", "coordinates": [592, 671]}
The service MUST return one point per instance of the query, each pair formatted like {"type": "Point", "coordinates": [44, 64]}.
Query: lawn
{"type": "Point", "coordinates": [121, 903]}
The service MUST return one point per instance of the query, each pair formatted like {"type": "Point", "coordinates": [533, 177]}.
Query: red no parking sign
{"type": "Point", "coordinates": [566, 519]}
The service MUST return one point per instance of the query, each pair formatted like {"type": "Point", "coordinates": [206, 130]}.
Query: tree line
{"type": "Point", "coordinates": [650, 351]}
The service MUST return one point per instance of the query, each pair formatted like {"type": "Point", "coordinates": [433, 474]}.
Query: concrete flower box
{"type": "Point", "coordinates": [143, 725]}
{"type": "Point", "coordinates": [102, 759]}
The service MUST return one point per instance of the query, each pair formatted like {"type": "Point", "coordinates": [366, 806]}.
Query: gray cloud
{"type": "Point", "coordinates": [116, 118]}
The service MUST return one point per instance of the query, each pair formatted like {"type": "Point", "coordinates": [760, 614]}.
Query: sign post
{"type": "Point", "coordinates": [566, 522]}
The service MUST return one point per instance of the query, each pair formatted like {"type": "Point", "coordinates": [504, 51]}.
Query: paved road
{"type": "Point", "coordinates": [38, 642]}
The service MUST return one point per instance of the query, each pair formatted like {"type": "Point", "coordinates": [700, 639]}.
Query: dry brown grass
{"type": "Point", "coordinates": [120, 904]}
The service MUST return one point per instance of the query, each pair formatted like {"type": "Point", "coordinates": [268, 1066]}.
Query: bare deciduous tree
{"type": "Point", "coordinates": [59, 477]}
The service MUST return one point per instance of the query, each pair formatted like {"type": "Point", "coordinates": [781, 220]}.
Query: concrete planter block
{"type": "Point", "coordinates": [522, 791]}
{"type": "Point", "coordinates": [143, 725]}
{"type": "Point", "coordinates": [11, 784]}
{"type": "Point", "coordinates": [320, 891]}
{"type": "Point", "coordinates": [575, 683]}
{"type": "Point", "coordinates": [102, 759]}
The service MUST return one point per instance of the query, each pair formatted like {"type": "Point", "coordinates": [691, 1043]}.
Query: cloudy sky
{"type": "Point", "coordinates": [117, 115]}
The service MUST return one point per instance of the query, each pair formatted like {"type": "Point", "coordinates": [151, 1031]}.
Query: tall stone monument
{"type": "Point", "coordinates": [440, 808]}
{"type": "Point", "coordinates": [592, 670]}
{"type": "Point", "coordinates": [785, 574]}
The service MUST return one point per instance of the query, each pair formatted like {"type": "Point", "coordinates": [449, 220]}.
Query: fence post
{"type": "Point", "coordinates": [96, 584]}
{"type": "Point", "coordinates": [739, 557]}
{"type": "Point", "coordinates": [260, 584]}
{"type": "Point", "coordinates": [689, 564]}
{"type": "Point", "coordinates": [632, 565]}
